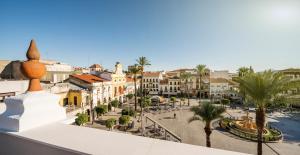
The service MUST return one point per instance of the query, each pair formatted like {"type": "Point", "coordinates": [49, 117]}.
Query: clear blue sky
{"type": "Point", "coordinates": [224, 34]}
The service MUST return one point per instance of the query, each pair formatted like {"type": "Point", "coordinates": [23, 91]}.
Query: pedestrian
{"type": "Point", "coordinates": [174, 115]}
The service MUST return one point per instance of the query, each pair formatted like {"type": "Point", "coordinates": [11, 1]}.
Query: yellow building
{"type": "Point", "coordinates": [78, 98]}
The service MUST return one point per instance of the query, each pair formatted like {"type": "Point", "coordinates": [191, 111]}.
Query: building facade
{"type": "Point", "coordinates": [151, 81]}
{"type": "Point", "coordinates": [56, 71]}
{"type": "Point", "coordinates": [98, 89]}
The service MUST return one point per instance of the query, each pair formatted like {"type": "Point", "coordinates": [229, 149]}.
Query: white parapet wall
{"type": "Point", "coordinates": [94, 141]}
{"type": "Point", "coordinates": [31, 110]}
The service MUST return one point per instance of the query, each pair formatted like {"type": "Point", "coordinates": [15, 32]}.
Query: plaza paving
{"type": "Point", "coordinates": [193, 133]}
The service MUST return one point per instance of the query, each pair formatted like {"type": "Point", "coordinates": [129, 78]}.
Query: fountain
{"type": "Point", "coordinates": [246, 128]}
{"type": "Point", "coordinates": [247, 124]}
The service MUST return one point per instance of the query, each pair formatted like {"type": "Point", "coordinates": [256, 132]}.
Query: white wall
{"type": "Point", "coordinates": [18, 87]}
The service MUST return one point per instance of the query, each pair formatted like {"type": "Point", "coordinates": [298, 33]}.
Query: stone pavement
{"type": "Point", "coordinates": [193, 133]}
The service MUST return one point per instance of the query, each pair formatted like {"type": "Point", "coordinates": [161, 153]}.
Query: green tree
{"type": "Point", "coordinates": [207, 112]}
{"type": "Point", "coordinates": [124, 120]}
{"type": "Point", "coordinates": [262, 88]}
{"type": "Point", "coordinates": [200, 70]}
{"type": "Point", "coordinates": [115, 104]}
{"type": "Point", "coordinates": [142, 62]}
{"type": "Point", "coordinates": [173, 100]}
{"type": "Point", "coordinates": [109, 123]}
{"type": "Point", "coordinates": [243, 71]}
{"type": "Point", "coordinates": [225, 101]}
{"type": "Point", "coordinates": [81, 119]}
{"type": "Point", "coordinates": [128, 111]}
{"type": "Point", "coordinates": [185, 77]}
{"type": "Point", "coordinates": [135, 70]}
{"type": "Point", "coordinates": [101, 109]}
{"type": "Point", "coordinates": [146, 102]}
{"type": "Point", "coordinates": [129, 96]}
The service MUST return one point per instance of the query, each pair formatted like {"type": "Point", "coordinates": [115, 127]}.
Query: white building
{"type": "Point", "coordinates": [170, 86]}
{"type": "Point", "coordinates": [219, 87]}
{"type": "Point", "coordinates": [151, 82]}
{"type": "Point", "coordinates": [99, 88]}
{"type": "Point", "coordinates": [56, 71]}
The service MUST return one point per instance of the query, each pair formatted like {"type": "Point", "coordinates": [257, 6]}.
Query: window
{"type": "Point", "coordinates": [147, 80]}
{"type": "Point", "coordinates": [153, 85]}
{"type": "Point", "coordinates": [144, 80]}
{"type": "Point", "coordinates": [156, 80]}
{"type": "Point", "coordinates": [156, 85]}
{"type": "Point", "coordinates": [170, 83]}
{"type": "Point", "coordinates": [150, 80]}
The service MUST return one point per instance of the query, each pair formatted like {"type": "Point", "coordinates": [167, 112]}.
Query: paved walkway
{"type": "Point", "coordinates": [193, 133]}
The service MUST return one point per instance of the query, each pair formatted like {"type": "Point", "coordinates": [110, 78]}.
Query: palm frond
{"type": "Point", "coordinates": [194, 118]}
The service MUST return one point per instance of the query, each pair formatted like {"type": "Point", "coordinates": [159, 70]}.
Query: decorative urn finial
{"type": "Point", "coordinates": [32, 68]}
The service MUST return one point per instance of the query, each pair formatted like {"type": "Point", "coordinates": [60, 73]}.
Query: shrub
{"type": "Point", "coordinates": [81, 119]}
{"type": "Point", "coordinates": [129, 96]}
{"type": "Point", "coordinates": [115, 103]}
{"type": "Point", "coordinates": [225, 101]}
{"type": "Point", "coordinates": [109, 123]}
{"type": "Point", "coordinates": [101, 109]}
{"type": "Point", "coordinates": [124, 120]}
{"type": "Point", "coordinates": [129, 112]}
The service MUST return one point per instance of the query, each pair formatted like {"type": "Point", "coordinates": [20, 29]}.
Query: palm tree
{"type": "Point", "coordinates": [243, 71]}
{"type": "Point", "coordinates": [200, 70]}
{"type": "Point", "coordinates": [142, 62]}
{"type": "Point", "coordinates": [207, 113]}
{"type": "Point", "coordinates": [263, 88]}
{"type": "Point", "coordinates": [185, 76]}
{"type": "Point", "coordinates": [135, 70]}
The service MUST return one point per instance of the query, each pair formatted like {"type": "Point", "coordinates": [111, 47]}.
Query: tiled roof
{"type": "Point", "coordinates": [218, 80]}
{"type": "Point", "coordinates": [152, 74]}
{"type": "Point", "coordinates": [89, 78]}
{"type": "Point", "coordinates": [128, 79]}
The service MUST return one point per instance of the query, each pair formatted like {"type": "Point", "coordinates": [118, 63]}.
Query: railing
{"type": "Point", "coordinates": [167, 132]}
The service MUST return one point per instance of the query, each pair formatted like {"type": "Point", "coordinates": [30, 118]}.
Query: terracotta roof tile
{"type": "Point", "coordinates": [152, 74]}
{"type": "Point", "coordinates": [89, 78]}
{"type": "Point", "coordinates": [129, 79]}
{"type": "Point", "coordinates": [218, 80]}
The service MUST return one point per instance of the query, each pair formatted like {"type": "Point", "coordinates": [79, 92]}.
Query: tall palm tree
{"type": "Point", "coordinates": [186, 76]}
{"type": "Point", "coordinates": [135, 70]}
{"type": "Point", "coordinates": [243, 71]}
{"type": "Point", "coordinates": [142, 62]}
{"type": "Point", "coordinates": [200, 70]}
{"type": "Point", "coordinates": [207, 113]}
{"type": "Point", "coordinates": [263, 88]}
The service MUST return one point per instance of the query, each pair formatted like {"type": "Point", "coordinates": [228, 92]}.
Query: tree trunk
{"type": "Point", "coordinates": [260, 122]}
{"type": "Point", "coordinates": [208, 131]}
{"type": "Point", "coordinates": [142, 98]}
{"type": "Point", "coordinates": [200, 90]}
{"type": "Point", "coordinates": [135, 93]}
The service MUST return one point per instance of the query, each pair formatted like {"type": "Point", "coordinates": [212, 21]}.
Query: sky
{"type": "Point", "coordinates": [223, 34]}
